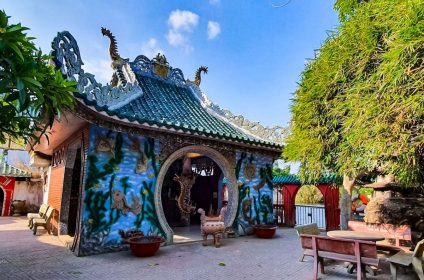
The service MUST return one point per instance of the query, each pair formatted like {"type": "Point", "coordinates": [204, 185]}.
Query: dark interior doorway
{"type": "Point", "coordinates": [204, 192]}
{"type": "Point", "coordinates": [74, 196]}
{"type": "Point", "coordinates": [71, 191]}
{"type": "Point", "coordinates": [1, 201]}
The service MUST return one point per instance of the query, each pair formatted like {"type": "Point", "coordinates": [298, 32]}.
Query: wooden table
{"type": "Point", "coordinates": [357, 235]}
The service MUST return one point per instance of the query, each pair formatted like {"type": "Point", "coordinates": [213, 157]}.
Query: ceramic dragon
{"type": "Point", "coordinates": [184, 201]}
{"type": "Point", "coordinates": [117, 61]}
{"type": "Point", "coordinates": [186, 181]}
{"type": "Point", "coordinates": [197, 77]}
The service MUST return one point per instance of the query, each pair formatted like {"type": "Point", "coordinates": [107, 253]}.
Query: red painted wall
{"type": "Point", "coordinates": [8, 185]}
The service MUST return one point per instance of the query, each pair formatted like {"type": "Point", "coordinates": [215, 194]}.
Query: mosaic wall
{"type": "Point", "coordinates": [254, 178]}
{"type": "Point", "coordinates": [118, 199]}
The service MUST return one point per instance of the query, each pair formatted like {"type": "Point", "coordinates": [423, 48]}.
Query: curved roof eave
{"type": "Point", "coordinates": [170, 128]}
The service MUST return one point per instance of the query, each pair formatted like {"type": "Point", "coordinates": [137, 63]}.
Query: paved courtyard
{"type": "Point", "coordinates": [24, 256]}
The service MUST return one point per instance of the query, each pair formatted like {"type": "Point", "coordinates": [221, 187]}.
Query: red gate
{"type": "Point", "coordinates": [329, 191]}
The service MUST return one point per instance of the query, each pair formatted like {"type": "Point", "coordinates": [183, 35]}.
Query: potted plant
{"type": "Point", "coordinates": [141, 245]}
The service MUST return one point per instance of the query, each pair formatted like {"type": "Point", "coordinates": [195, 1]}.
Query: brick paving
{"type": "Point", "coordinates": [24, 256]}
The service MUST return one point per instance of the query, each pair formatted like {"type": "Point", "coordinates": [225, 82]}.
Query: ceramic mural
{"type": "Point", "coordinates": [254, 178]}
{"type": "Point", "coordinates": [121, 172]}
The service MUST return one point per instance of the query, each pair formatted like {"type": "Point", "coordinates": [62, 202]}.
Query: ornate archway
{"type": "Point", "coordinates": [330, 193]}
{"type": "Point", "coordinates": [226, 168]}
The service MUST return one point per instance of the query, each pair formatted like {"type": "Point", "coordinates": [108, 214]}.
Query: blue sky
{"type": "Point", "coordinates": [255, 52]}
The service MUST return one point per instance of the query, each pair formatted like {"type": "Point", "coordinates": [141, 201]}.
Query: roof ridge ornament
{"type": "Point", "coordinates": [160, 65]}
{"type": "Point", "coordinates": [142, 65]}
{"type": "Point", "coordinates": [67, 58]}
{"type": "Point", "coordinates": [197, 76]}
{"type": "Point", "coordinates": [121, 72]}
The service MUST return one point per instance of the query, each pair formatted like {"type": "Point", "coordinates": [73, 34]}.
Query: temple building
{"type": "Point", "coordinates": [21, 191]}
{"type": "Point", "coordinates": [144, 152]}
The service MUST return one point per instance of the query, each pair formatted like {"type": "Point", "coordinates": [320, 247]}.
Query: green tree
{"type": "Point", "coordinates": [277, 171]}
{"type": "Point", "coordinates": [359, 108]}
{"type": "Point", "coordinates": [32, 92]}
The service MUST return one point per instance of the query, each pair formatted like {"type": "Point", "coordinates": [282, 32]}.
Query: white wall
{"type": "Point", "coordinates": [30, 191]}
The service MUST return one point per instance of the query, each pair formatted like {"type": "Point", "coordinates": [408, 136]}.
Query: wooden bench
{"type": "Point", "coordinates": [44, 222]}
{"type": "Point", "coordinates": [408, 258]}
{"type": "Point", "coordinates": [311, 229]}
{"type": "Point", "coordinates": [397, 233]}
{"type": "Point", "coordinates": [355, 251]}
{"type": "Point", "coordinates": [41, 213]}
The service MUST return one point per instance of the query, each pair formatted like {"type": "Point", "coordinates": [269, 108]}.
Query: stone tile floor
{"type": "Point", "coordinates": [24, 256]}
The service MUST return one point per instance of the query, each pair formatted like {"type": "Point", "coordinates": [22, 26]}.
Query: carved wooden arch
{"type": "Point", "coordinates": [227, 169]}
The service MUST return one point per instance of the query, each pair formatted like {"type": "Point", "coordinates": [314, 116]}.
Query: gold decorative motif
{"type": "Point", "coordinates": [250, 171]}
{"type": "Point", "coordinates": [160, 65]}
{"type": "Point", "coordinates": [184, 201]}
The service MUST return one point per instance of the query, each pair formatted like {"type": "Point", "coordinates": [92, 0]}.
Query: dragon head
{"type": "Point", "coordinates": [106, 32]}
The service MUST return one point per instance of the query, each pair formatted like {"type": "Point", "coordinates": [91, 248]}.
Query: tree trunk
{"type": "Point", "coordinates": [345, 201]}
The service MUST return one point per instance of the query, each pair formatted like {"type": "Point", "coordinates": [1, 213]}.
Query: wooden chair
{"type": "Point", "coordinates": [41, 213]}
{"type": "Point", "coordinates": [408, 258]}
{"type": "Point", "coordinates": [44, 222]}
{"type": "Point", "coordinates": [311, 229]}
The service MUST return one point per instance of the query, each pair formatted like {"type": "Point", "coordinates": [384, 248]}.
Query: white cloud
{"type": "Point", "coordinates": [175, 38]}
{"type": "Point", "coordinates": [215, 2]}
{"type": "Point", "coordinates": [181, 23]}
{"type": "Point", "coordinates": [100, 68]}
{"type": "Point", "coordinates": [151, 48]}
{"type": "Point", "coordinates": [213, 29]}
{"type": "Point", "coordinates": [183, 20]}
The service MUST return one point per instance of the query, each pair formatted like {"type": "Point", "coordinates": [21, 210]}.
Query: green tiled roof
{"type": "Point", "coordinates": [293, 179]}
{"type": "Point", "coordinates": [171, 106]}
{"type": "Point", "coordinates": [150, 93]}
{"type": "Point", "coordinates": [168, 104]}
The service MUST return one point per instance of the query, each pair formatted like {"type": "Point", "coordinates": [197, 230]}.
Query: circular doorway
{"type": "Point", "coordinates": [227, 171]}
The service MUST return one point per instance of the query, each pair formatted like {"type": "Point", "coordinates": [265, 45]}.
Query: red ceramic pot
{"type": "Point", "coordinates": [145, 246]}
{"type": "Point", "coordinates": [265, 231]}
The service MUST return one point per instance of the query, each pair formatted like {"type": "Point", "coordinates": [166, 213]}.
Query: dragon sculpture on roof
{"type": "Point", "coordinates": [197, 76]}
{"type": "Point", "coordinates": [118, 62]}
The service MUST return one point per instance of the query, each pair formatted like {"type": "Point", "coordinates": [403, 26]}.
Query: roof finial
{"type": "Point", "coordinates": [117, 60]}
{"type": "Point", "coordinates": [160, 65]}
{"type": "Point", "coordinates": [113, 47]}
{"type": "Point", "coordinates": [197, 77]}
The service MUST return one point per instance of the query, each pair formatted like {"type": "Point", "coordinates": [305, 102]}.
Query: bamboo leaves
{"type": "Point", "coordinates": [359, 105]}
